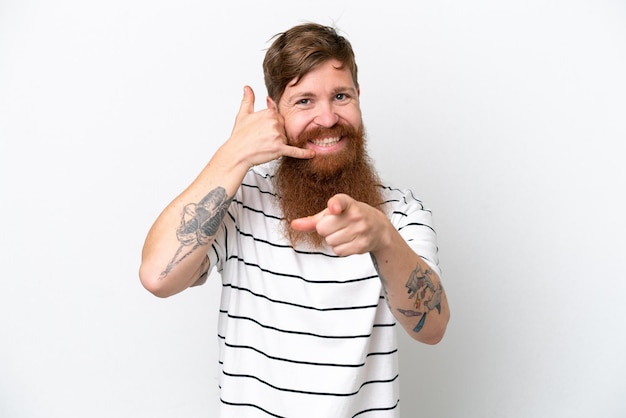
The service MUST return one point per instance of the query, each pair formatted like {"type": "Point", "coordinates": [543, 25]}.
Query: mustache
{"type": "Point", "coordinates": [338, 130]}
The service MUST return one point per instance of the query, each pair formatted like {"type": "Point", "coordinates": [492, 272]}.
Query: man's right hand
{"type": "Point", "coordinates": [260, 136]}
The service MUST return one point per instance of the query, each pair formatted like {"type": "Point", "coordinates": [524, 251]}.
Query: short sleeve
{"type": "Point", "coordinates": [218, 252]}
{"type": "Point", "coordinates": [415, 223]}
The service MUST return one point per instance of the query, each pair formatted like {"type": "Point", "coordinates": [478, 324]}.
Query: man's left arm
{"type": "Point", "coordinates": [413, 290]}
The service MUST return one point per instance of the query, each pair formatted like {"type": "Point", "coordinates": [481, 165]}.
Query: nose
{"type": "Point", "coordinates": [326, 116]}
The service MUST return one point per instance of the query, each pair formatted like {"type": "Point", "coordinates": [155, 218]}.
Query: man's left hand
{"type": "Point", "coordinates": [348, 226]}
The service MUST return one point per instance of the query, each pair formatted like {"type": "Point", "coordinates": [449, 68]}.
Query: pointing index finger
{"type": "Point", "coordinates": [309, 223]}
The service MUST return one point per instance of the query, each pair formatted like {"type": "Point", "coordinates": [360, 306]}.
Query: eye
{"type": "Point", "coordinates": [343, 98]}
{"type": "Point", "coordinates": [303, 101]}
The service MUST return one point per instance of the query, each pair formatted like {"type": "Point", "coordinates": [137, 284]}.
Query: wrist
{"type": "Point", "coordinates": [229, 159]}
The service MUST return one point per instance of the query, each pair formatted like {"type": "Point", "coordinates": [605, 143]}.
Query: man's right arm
{"type": "Point", "coordinates": [174, 253]}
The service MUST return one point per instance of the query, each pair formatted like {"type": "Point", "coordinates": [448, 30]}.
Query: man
{"type": "Point", "coordinates": [318, 259]}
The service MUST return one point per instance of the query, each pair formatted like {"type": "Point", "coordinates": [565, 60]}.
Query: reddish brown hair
{"type": "Point", "coordinates": [299, 50]}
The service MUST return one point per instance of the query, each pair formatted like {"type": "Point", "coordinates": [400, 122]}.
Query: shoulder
{"type": "Point", "coordinates": [259, 178]}
{"type": "Point", "coordinates": [398, 198]}
{"type": "Point", "coordinates": [404, 208]}
{"type": "Point", "coordinates": [263, 171]}
{"type": "Point", "coordinates": [256, 193]}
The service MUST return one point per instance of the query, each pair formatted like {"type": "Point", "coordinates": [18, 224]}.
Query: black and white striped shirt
{"type": "Point", "coordinates": [302, 332]}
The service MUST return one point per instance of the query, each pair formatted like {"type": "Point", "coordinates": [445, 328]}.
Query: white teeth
{"type": "Point", "coordinates": [326, 142]}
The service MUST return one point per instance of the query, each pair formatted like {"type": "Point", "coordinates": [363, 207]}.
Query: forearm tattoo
{"type": "Point", "coordinates": [199, 224]}
{"type": "Point", "coordinates": [425, 294]}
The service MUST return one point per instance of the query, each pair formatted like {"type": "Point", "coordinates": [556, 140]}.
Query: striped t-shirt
{"type": "Point", "coordinates": [303, 332]}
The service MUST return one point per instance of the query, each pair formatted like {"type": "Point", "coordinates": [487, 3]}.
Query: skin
{"type": "Point", "coordinates": [323, 98]}
{"type": "Point", "coordinates": [327, 95]}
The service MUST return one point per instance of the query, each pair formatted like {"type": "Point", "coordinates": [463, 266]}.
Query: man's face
{"type": "Point", "coordinates": [321, 111]}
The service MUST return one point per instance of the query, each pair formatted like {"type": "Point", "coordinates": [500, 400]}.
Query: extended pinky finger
{"type": "Point", "coordinates": [300, 153]}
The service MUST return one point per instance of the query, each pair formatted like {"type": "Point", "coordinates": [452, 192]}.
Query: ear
{"type": "Point", "coordinates": [271, 104]}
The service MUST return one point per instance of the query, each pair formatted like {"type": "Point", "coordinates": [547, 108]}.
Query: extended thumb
{"type": "Point", "coordinates": [338, 204]}
{"type": "Point", "coordinates": [247, 102]}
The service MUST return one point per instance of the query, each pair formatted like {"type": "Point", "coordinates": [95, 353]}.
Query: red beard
{"type": "Point", "coordinates": [304, 186]}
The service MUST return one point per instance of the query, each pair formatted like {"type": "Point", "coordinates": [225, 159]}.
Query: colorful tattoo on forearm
{"type": "Point", "coordinates": [199, 224]}
{"type": "Point", "coordinates": [426, 295]}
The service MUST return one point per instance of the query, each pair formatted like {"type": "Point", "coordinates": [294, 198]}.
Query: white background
{"type": "Point", "coordinates": [506, 118]}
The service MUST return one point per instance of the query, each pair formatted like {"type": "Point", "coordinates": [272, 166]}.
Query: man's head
{"type": "Point", "coordinates": [310, 73]}
{"type": "Point", "coordinates": [298, 50]}
{"type": "Point", "coordinates": [311, 77]}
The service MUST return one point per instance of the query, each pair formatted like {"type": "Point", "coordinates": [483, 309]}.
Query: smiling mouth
{"type": "Point", "coordinates": [326, 142]}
